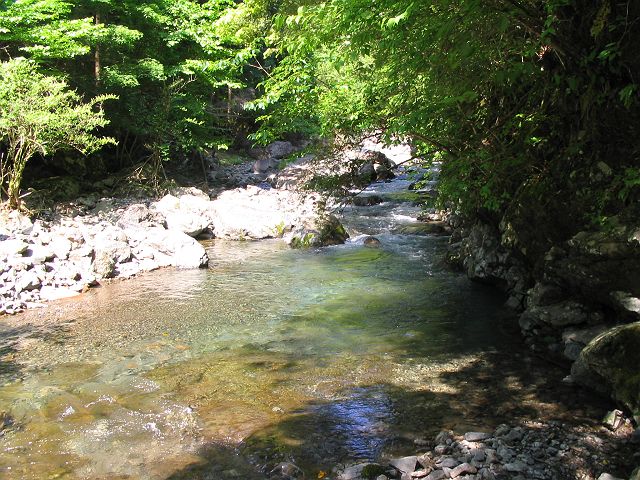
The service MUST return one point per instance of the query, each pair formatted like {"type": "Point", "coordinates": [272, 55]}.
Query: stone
{"type": "Point", "coordinates": [263, 165]}
{"type": "Point", "coordinates": [367, 200]}
{"type": "Point", "coordinates": [50, 293]}
{"type": "Point", "coordinates": [608, 476]}
{"type": "Point", "coordinates": [327, 230]}
{"type": "Point", "coordinates": [280, 149]}
{"type": "Point", "coordinates": [39, 254]}
{"type": "Point", "coordinates": [444, 438]}
{"type": "Point", "coordinates": [371, 242]}
{"type": "Point", "coordinates": [544, 294]}
{"type": "Point", "coordinates": [559, 315]}
{"type": "Point", "coordinates": [448, 462]}
{"type": "Point", "coordinates": [189, 214]}
{"type": "Point", "coordinates": [613, 420]}
{"type": "Point", "coordinates": [515, 467]}
{"type": "Point", "coordinates": [29, 280]}
{"type": "Point", "coordinates": [254, 213]}
{"type": "Point", "coordinates": [441, 449]}
{"type": "Point", "coordinates": [514, 435]}
{"type": "Point", "coordinates": [139, 213]}
{"type": "Point", "coordinates": [288, 470]}
{"type": "Point", "coordinates": [609, 365]}
{"type": "Point", "coordinates": [104, 264]}
{"type": "Point", "coordinates": [404, 464]}
{"type": "Point", "coordinates": [13, 247]}
{"type": "Point", "coordinates": [172, 247]}
{"type": "Point", "coordinates": [463, 469]}
{"type": "Point", "coordinates": [422, 228]}
{"type": "Point", "coordinates": [61, 247]}
{"type": "Point", "coordinates": [353, 472]}
{"type": "Point", "coordinates": [505, 454]}
{"type": "Point", "coordinates": [436, 475]}
{"type": "Point", "coordinates": [476, 436]}
{"type": "Point", "coordinates": [627, 303]}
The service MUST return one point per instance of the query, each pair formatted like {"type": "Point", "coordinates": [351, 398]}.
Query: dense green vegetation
{"type": "Point", "coordinates": [510, 94]}
{"type": "Point", "coordinates": [173, 66]}
{"type": "Point", "coordinates": [531, 105]}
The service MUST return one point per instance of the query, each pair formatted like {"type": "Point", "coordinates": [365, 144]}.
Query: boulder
{"type": "Point", "coordinates": [172, 247]}
{"type": "Point", "coordinates": [189, 214]}
{"type": "Point", "coordinates": [609, 365]}
{"type": "Point", "coordinates": [139, 213]}
{"type": "Point", "coordinates": [325, 230]}
{"type": "Point", "coordinates": [371, 242]}
{"type": "Point", "coordinates": [280, 149]}
{"type": "Point", "coordinates": [560, 315]}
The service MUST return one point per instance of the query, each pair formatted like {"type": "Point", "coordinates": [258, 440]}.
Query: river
{"type": "Point", "coordinates": [317, 357]}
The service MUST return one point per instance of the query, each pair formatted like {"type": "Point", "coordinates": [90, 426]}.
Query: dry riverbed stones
{"type": "Point", "coordinates": [536, 450]}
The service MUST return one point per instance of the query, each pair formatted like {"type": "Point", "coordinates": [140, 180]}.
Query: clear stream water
{"type": "Point", "coordinates": [318, 357]}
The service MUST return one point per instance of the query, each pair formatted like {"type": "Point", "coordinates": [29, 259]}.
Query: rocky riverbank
{"type": "Point", "coordinates": [578, 303]}
{"type": "Point", "coordinates": [536, 450]}
{"type": "Point", "coordinates": [47, 260]}
{"type": "Point", "coordinates": [96, 239]}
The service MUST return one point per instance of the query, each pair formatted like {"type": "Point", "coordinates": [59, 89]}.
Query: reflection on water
{"type": "Point", "coordinates": [270, 354]}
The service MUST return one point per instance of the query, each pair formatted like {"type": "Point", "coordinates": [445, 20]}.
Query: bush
{"type": "Point", "coordinates": [40, 115]}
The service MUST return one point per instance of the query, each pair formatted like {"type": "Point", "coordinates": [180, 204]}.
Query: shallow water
{"type": "Point", "coordinates": [317, 357]}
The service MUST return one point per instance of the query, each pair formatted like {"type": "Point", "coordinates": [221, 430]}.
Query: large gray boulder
{"type": "Point", "coordinates": [610, 364]}
{"type": "Point", "coordinates": [280, 149]}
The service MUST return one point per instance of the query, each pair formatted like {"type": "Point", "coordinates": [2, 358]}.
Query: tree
{"type": "Point", "coordinates": [39, 114]}
{"type": "Point", "coordinates": [516, 97]}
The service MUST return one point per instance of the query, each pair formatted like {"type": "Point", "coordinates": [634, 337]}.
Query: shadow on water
{"type": "Point", "coordinates": [370, 422]}
{"type": "Point", "coordinates": [11, 337]}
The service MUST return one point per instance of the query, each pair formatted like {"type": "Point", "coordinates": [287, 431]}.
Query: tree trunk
{"type": "Point", "coordinates": [97, 66]}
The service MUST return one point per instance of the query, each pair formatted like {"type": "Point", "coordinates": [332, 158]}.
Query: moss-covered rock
{"type": "Point", "coordinates": [610, 364]}
{"type": "Point", "coordinates": [327, 230]}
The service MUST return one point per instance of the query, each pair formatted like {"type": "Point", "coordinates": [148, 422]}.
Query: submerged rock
{"type": "Point", "coordinates": [371, 242]}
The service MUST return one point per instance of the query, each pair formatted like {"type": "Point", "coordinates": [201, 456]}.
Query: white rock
{"type": "Point", "coordinates": [13, 247]}
{"type": "Point", "coordinates": [50, 293]}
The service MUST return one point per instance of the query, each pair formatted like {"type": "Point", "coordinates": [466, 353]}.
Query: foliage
{"type": "Point", "coordinates": [173, 64]}
{"type": "Point", "coordinates": [519, 98]}
{"type": "Point", "coordinates": [40, 115]}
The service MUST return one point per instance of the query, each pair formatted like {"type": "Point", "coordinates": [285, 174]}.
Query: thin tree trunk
{"type": "Point", "coordinates": [96, 57]}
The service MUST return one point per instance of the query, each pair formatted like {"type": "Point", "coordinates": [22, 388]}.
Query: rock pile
{"type": "Point", "coordinates": [533, 451]}
{"type": "Point", "coordinates": [42, 261]}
